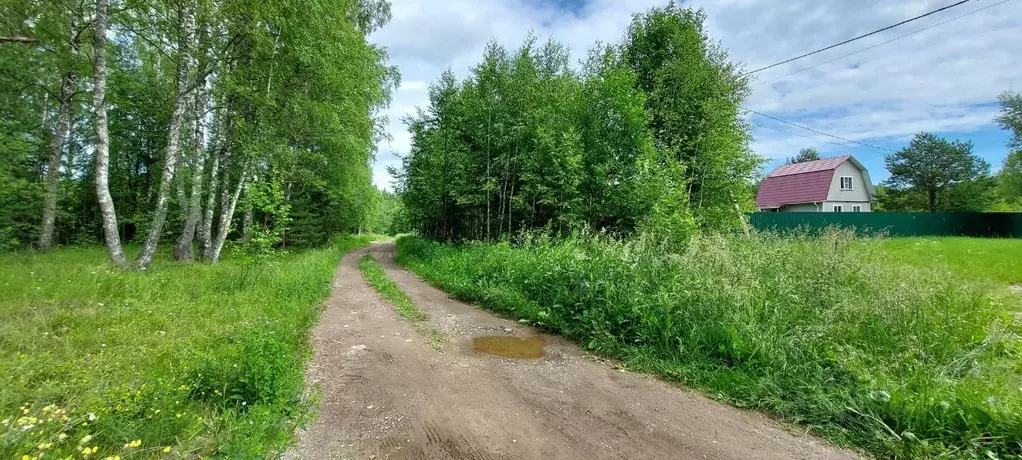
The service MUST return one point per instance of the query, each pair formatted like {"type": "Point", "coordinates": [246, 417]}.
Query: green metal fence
{"type": "Point", "coordinates": [1004, 224]}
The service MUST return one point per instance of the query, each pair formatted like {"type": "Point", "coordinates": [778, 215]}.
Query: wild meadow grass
{"type": "Point", "coordinates": [186, 360]}
{"type": "Point", "coordinates": [827, 332]}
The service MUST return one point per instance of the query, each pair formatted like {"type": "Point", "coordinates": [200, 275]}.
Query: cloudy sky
{"type": "Point", "coordinates": [943, 78]}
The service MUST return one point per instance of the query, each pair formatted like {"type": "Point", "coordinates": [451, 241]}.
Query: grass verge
{"type": "Point", "coordinates": [377, 278]}
{"type": "Point", "coordinates": [900, 361]}
{"type": "Point", "coordinates": [187, 360]}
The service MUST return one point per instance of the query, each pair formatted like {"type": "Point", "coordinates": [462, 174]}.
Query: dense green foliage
{"type": "Point", "coordinates": [645, 134]}
{"type": "Point", "coordinates": [934, 174]}
{"type": "Point", "coordinates": [206, 359]}
{"type": "Point", "coordinates": [1009, 178]}
{"type": "Point", "coordinates": [829, 332]}
{"type": "Point", "coordinates": [694, 101]}
{"type": "Point", "coordinates": [276, 103]}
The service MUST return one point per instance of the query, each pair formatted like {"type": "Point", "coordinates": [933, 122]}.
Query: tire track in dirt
{"type": "Point", "coordinates": [386, 394]}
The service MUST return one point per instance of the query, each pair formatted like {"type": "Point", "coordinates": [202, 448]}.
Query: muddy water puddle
{"type": "Point", "coordinates": [509, 347]}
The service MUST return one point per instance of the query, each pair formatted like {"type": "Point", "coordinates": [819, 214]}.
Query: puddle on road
{"type": "Point", "coordinates": [509, 347]}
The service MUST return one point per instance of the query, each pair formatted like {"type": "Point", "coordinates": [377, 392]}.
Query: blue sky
{"type": "Point", "coordinates": [943, 78]}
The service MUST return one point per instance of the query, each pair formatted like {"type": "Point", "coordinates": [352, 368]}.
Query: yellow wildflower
{"type": "Point", "coordinates": [166, 449]}
{"type": "Point", "coordinates": [62, 436]}
{"type": "Point", "coordinates": [85, 439]}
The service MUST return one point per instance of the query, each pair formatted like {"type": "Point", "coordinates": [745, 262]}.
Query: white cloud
{"type": "Point", "coordinates": [942, 79]}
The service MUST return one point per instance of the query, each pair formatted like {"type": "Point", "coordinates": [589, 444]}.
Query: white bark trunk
{"type": "Point", "coordinates": [145, 257]}
{"type": "Point", "coordinates": [205, 231]}
{"type": "Point", "coordinates": [246, 220]}
{"type": "Point", "coordinates": [227, 214]}
{"type": "Point", "coordinates": [106, 202]}
{"type": "Point", "coordinates": [221, 131]}
{"type": "Point", "coordinates": [60, 130]}
{"type": "Point", "coordinates": [183, 248]}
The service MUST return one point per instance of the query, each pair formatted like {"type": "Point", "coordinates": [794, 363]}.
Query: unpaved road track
{"type": "Point", "coordinates": [387, 394]}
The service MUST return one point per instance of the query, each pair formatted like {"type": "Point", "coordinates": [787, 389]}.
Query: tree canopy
{"type": "Point", "coordinates": [645, 134]}
{"type": "Point", "coordinates": [211, 106]}
{"type": "Point", "coordinates": [934, 174]}
{"type": "Point", "coordinates": [804, 155]}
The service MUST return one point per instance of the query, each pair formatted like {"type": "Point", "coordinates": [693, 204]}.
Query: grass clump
{"type": "Point", "coordinates": [823, 331]}
{"type": "Point", "coordinates": [377, 278]}
{"type": "Point", "coordinates": [186, 360]}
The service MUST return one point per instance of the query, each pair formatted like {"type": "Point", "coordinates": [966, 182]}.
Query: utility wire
{"type": "Point", "coordinates": [816, 131]}
{"type": "Point", "coordinates": [855, 38]}
{"type": "Point", "coordinates": [793, 133]}
{"type": "Point", "coordinates": [883, 43]}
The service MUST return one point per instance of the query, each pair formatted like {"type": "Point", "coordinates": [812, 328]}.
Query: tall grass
{"type": "Point", "coordinates": [187, 360]}
{"type": "Point", "coordinates": [823, 331]}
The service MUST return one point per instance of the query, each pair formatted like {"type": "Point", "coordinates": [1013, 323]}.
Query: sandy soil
{"type": "Point", "coordinates": [387, 394]}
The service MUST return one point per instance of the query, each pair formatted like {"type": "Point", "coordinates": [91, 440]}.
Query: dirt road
{"type": "Point", "coordinates": [387, 394]}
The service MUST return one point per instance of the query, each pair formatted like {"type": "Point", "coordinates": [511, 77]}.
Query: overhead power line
{"type": "Point", "coordinates": [817, 131]}
{"type": "Point", "coordinates": [793, 133]}
{"type": "Point", "coordinates": [885, 42]}
{"type": "Point", "coordinates": [855, 38]}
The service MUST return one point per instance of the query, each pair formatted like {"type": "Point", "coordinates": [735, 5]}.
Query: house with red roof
{"type": "Point", "coordinates": [839, 184]}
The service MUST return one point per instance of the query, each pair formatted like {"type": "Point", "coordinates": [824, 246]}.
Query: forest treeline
{"type": "Point", "coordinates": [646, 134]}
{"type": "Point", "coordinates": [160, 121]}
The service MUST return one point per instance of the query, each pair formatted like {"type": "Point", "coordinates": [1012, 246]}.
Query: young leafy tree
{"type": "Point", "coordinates": [1011, 117]}
{"type": "Point", "coordinates": [944, 175]}
{"type": "Point", "coordinates": [1009, 178]}
{"type": "Point", "coordinates": [694, 93]}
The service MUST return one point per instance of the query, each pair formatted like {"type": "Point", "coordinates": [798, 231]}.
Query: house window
{"type": "Point", "coordinates": [856, 208]}
{"type": "Point", "coordinates": [838, 208]}
{"type": "Point", "coordinates": [846, 182]}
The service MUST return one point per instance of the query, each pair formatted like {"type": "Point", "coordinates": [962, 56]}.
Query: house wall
{"type": "Point", "coordinates": [858, 193]}
{"type": "Point", "coordinates": [847, 206]}
{"type": "Point", "coordinates": [803, 207]}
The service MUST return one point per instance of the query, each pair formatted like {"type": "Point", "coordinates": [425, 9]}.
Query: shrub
{"type": "Point", "coordinates": [824, 331]}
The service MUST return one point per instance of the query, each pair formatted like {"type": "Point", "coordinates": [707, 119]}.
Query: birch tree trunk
{"type": "Point", "coordinates": [227, 206]}
{"type": "Point", "coordinates": [106, 202]}
{"type": "Point", "coordinates": [183, 248]}
{"type": "Point", "coordinates": [246, 221]}
{"type": "Point", "coordinates": [67, 88]}
{"type": "Point", "coordinates": [205, 231]}
{"type": "Point", "coordinates": [145, 257]}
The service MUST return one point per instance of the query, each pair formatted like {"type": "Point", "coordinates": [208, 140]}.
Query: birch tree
{"type": "Point", "coordinates": [170, 158]}
{"type": "Point", "coordinates": [106, 203]}
{"type": "Point", "coordinates": [58, 144]}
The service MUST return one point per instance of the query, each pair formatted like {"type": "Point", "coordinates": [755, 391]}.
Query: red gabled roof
{"type": "Point", "coordinates": [826, 164]}
{"type": "Point", "coordinates": [806, 182]}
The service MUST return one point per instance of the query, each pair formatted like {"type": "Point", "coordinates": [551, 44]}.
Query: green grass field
{"type": "Point", "coordinates": [995, 260]}
{"type": "Point", "coordinates": [901, 348]}
{"type": "Point", "coordinates": [187, 360]}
